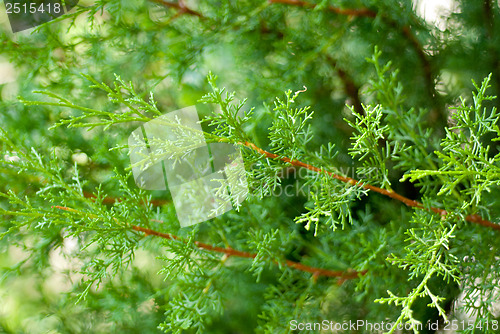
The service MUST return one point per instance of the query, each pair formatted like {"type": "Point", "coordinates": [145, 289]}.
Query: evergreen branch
{"type": "Point", "coordinates": [474, 218]}
{"type": "Point", "coordinates": [343, 275]}
{"type": "Point", "coordinates": [105, 200]}
{"type": "Point", "coordinates": [234, 127]}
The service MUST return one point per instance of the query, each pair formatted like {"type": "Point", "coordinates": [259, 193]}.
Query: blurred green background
{"type": "Point", "coordinates": [258, 49]}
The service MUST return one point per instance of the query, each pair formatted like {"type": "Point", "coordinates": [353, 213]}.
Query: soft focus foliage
{"type": "Point", "coordinates": [363, 90]}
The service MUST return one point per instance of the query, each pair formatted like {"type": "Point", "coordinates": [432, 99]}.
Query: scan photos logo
{"type": "Point", "coordinates": [204, 180]}
{"type": "Point", "coordinates": [28, 14]}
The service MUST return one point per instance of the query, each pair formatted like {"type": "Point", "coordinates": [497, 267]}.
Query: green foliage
{"type": "Point", "coordinates": [288, 134]}
{"type": "Point", "coordinates": [400, 187]}
{"type": "Point", "coordinates": [466, 157]}
{"type": "Point", "coordinates": [368, 131]}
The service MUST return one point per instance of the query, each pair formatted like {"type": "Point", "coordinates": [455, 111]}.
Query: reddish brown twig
{"type": "Point", "coordinates": [409, 202]}
{"type": "Point", "coordinates": [342, 275]}
{"type": "Point", "coordinates": [233, 252]}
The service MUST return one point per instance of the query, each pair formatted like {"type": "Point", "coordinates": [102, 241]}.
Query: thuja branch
{"type": "Point", "coordinates": [342, 275]}
{"type": "Point", "coordinates": [409, 202]}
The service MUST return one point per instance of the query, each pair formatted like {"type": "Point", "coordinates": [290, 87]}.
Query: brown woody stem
{"type": "Point", "coordinates": [409, 202]}
{"type": "Point", "coordinates": [342, 275]}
